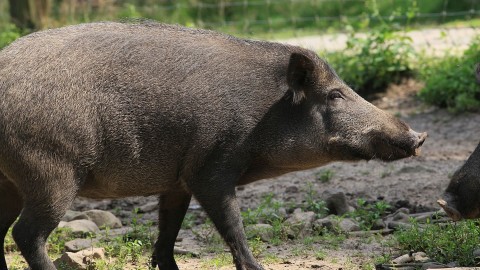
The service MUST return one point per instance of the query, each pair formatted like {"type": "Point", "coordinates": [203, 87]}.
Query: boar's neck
{"type": "Point", "coordinates": [280, 143]}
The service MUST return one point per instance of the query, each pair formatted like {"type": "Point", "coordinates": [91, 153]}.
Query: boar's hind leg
{"type": "Point", "coordinates": [47, 196]}
{"type": "Point", "coordinates": [172, 209]}
{"type": "Point", "coordinates": [10, 207]}
{"type": "Point", "coordinates": [218, 199]}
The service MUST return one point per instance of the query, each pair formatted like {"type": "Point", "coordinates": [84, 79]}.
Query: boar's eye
{"type": "Point", "coordinates": [335, 94]}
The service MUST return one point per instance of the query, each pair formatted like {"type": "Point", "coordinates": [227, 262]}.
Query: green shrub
{"type": "Point", "coordinates": [370, 63]}
{"type": "Point", "coordinates": [443, 243]}
{"type": "Point", "coordinates": [450, 82]}
{"type": "Point", "coordinates": [368, 213]}
{"type": "Point", "coordinates": [8, 33]}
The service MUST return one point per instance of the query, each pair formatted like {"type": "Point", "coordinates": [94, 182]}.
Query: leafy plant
{"type": "Point", "coordinates": [445, 243]}
{"type": "Point", "coordinates": [268, 211]}
{"type": "Point", "coordinates": [450, 82]}
{"type": "Point", "coordinates": [367, 214]}
{"type": "Point", "coordinates": [325, 176]}
{"type": "Point", "coordinates": [8, 33]}
{"type": "Point", "coordinates": [371, 62]}
{"type": "Point", "coordinates": [312, 203]}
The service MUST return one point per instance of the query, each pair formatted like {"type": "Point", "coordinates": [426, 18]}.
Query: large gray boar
{"type": "Point", "coordinates": [109, 110]}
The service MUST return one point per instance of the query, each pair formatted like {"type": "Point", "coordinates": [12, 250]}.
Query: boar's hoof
{"type": "Point", "coordinates": [451, 212]}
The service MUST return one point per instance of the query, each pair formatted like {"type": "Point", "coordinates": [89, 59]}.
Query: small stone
{"type": "Point", "coordinates": [264, 231]}
{"type": "Point", "coordinates": [299, 223]}
{"type": "Point", "coordinates": [337, 202]}
{"type": "Point", "coordinates": [401, 217]}
{"type": "Point", "coordinates": [348, 225]}
{"type": "Point", "coordinates": [80, 260]}
{"type": "Point", "coordinates": [476, 253]}
{"type": "Point", "coordinates": [406, 258]}
{"type": "Point", "coordinates": [80, 216]}
{"type": "Point", "coordinates": [79, 244]}
{"type": "Point", "coordinates": [291, 189]}
{"type": "Point", "coordinates": [70, 260]}
{"type": "Point", "coordinates": [452, 264]}
{"type": "Point", "coordinates": [326, 222]}
{"type": "Point", "coordinates": [433, 265]}
{"type": "Point", "coordinates": [104, 219]}
{"type": "Point", "coordinates": [81, 227]}
{"type": "Point", "coordinates": [379, 224]}
{"type": "Point", "coordinates": [149, 207]}
{"type": "Point", "coordinates": [117, 232]}
{"type": "Point", "coordinates": [181, 251]}
{"type": "Point", "coordinates": [420, 257]}
{"type": "Point", "coordinates": [398, 225]}
{"type": "Point", "coordinates": [69, 215]}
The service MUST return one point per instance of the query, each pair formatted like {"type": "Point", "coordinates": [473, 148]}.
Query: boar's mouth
{"type": "Point", "coordinates": [389, 149]}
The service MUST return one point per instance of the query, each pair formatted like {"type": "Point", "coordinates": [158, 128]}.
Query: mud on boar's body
{"type": "Point", "coordinates": [109, 110]}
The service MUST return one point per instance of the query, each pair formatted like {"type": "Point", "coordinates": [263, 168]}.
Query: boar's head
{"type": "Point", "coordinates": [461, 198]}
{"type": "Point", "coordinates": [346, 126]}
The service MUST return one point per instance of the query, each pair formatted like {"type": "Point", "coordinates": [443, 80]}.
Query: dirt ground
{"type": "Point", "coordinates": [414, 182]}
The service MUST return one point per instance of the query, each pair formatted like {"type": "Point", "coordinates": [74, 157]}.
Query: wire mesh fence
{"type": "Point", "coordinates": [434, 25]}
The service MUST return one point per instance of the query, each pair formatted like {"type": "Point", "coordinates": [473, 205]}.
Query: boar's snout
{"type": "Point", "coordinates": [418, 140]}
{"type": "Point", "coordinates": [450, 208]}
{"type": "Point", "coordinates": [403, 145]}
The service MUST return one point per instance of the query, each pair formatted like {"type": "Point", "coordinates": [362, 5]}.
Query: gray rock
{"type": "Point", "coordinates": [181, 251]}
{"type": "Point", "coordinates": [337, 202]}
{"type": "Point", "coordinates": [406, 258]}
{"type": "Point", "coordinates": [476, 253]}
{"type": "Point", "coordinates": [326, 222]}
{"type": "Point", "coordinates": [81, 227]}
{"type": "Point", "coordinates": [115, 232]}
{"type": "Point", "coordinates": [69, 215]}
{"type": "Point", "coordinates": [264, 231]}
{"type": "Point", "coordinates": [420, 257]}
{"type": "Point", "coordinates": [104, 219]}
{"type": "Point", "coordinates": [379, 224]}
{"type": "Point", "coordinates": [291, 189]}
{"type": "Point", "coordinates": [401, 217]}
{"type": "Point", "coordinates": [149, 207]}
{"type": "Point", "coordinates": [80, 216]}
{"type": "Point", "coordinates": [300, 223]}
{"type": "Point", "coordinates": [79, 244]}
{"type": "Point", "coordinates": [452, 264]}
{"type": "Point", "coordinates": [395, 225]}
{"type": "Point", "coordinates": [81, 260]}
{"type": "Point", "coordinates": [348, 225]}
{"type": "Point", "coordinates": [433, 265]}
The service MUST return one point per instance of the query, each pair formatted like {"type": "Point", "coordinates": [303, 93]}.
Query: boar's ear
{"type": "Point", "coordinates": [299, 75]}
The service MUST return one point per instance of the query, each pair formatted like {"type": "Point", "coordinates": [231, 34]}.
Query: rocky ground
{"type": "Point", "coordinates": [411, 186]}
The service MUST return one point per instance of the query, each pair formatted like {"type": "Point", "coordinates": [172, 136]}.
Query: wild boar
{"type": "Point", "coordinates": [461, 198]}
{"type": "Point", "coordinates": [109, 110]}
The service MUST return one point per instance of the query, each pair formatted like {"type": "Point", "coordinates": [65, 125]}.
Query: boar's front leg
{"type": "Point", "coordinates": [172, 209]}
{"type": "Point", "coordinates": [10, 207]}
{"type": "Point", "coordinates": [216, 194]}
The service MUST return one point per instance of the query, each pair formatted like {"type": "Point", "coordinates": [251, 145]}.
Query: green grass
{"type": "Point", "coordinates": [444, 243]}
